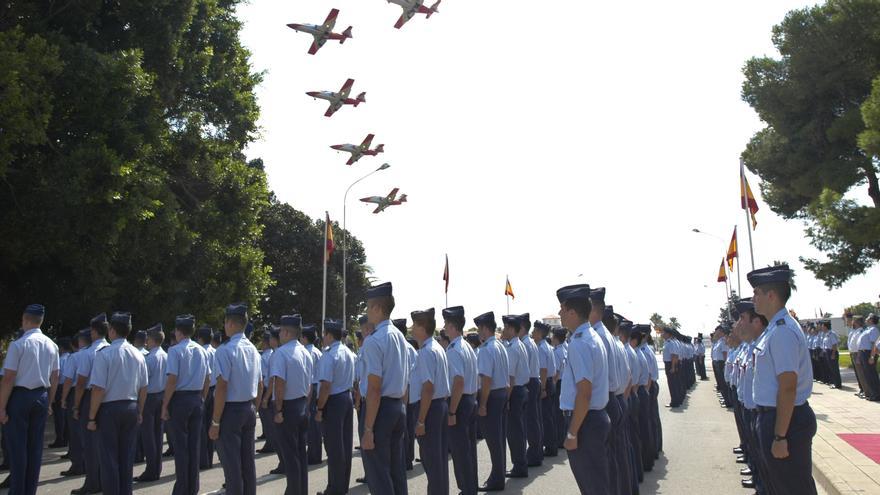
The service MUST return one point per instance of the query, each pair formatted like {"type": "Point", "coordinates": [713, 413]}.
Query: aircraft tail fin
{"type": "Point", "coordinates": [380, 148]}
{"type": "Point", "coordinates": [402, 198]}
{"type": "Point", "coordinates": [433, 9]}
{"type": "Point", "coordinates": [362, 98]}
{"type": "Point", "coordinates": [345, 35]}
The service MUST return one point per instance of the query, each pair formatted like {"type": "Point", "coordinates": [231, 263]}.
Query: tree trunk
{"type": "Point", "coordinates": [873, 186]}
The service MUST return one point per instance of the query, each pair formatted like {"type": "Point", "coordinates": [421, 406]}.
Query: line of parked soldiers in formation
{"type": "Point", "coordinates": [765, 372]}
{"type": "Point", "coordinates": [594, 394]}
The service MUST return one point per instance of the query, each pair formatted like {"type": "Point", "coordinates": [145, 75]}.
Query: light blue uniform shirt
{"type": "Point", "coordinates": [728, 365]}
{"type": "Point", "coordinates": [385, 356]}
{"type": "Point", "coordinates": [360, 370]}
{"type": "Point", "coordinates": [700, 349]}
{"type": "Point", "coordinates": [84, 364]}
{"type": "Point", "coordinates": [211, 351]}
{"type": "Point", "coordinates": [611, 354]}
{"type": "Point", "coordinates": [623, 368]}
{"type": "Point", "coordinates": [782, 348]}
{"type": "Point", "coordinates": [719, 349]}
{"type": "Point", "coordinates": [265, 356]}
{"type": "Point", "coordinates": [650, 361]}
{"type": "Point", "coordinates": [337, 368]}
{"type": "Point", "coordinates": [316, 354]}
{"type": "Point", "coordinates": [292, 363]}
{"type": "Point", "coordinates": [532, 352]}
{"type": "Point", "coordinates": [852, 337]}
{"type": "Point", "coordinates": [546, 359]}
{"type": "Point", "coordinates": [431, 366]}
{"type": "Point", "coordinates": [238, 364]}
{"type": "Point", "coordinates": [670, 348]}
{"type": "Point", "coordinates": [157, 370]}
{"type": "Point", "coordinates": [120, 370]}
{"type": "Point", "coordinates": [188, 361]}
{"type": "Point", "coordinates": [68, 370]}
{"type": "Point", "coordinates": [33, 357]}
{"type": "Point", "coordinates": [462, 361]}
{"type": "Point", "coordinates": [586, 361]}
{"type": "Point", "coordinates": [492, 361]}
{"type": "Point", "coordinates": [518, 359]}
{"type": "Point", "coordinates": [638, 367]}
{"type": "Point", "coordinates": [867, 338]}
{"type": "Point", "coordinates": [748, 377]}
{"type": "Point", "coordinates": [560, 352]}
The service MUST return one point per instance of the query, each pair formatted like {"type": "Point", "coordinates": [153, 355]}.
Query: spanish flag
{"type": "Point", "coordinates": [508, 289]}
{"type": "Point", "coordinates": [747, 199]}
{"type": "Point", "coordinates": [732, 250]}
{"type": "Point", "coordinates": [722, 273]}
{"type": "Point", "coordinates": [330, 246]}
{"type": "Point", "coordinates": [446, 275]}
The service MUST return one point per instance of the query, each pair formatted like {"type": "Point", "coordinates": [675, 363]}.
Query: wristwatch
{"type": "Point", "coordinates": [451, 413]}
{"type": "Point", "coordinates": [419, 423]}
{"type": "Point", "coordinates": [214, 422]}
{"type": "Point", "coordinates": [569, 436]}
{"type": "Point", "coordinates": [779, 438]}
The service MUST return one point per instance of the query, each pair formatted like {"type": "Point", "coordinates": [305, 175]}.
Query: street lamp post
{"type": "Point", "coordinates": [345, 244]}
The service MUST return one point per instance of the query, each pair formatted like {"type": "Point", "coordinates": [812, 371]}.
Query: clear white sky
{"type": "Point", "coordinates": [537, 139]}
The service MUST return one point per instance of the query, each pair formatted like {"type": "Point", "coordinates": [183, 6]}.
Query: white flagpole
{"type": "Point", "coordinates": [743, 197]}
{"type": "Point", "coordinates": [324, 256]}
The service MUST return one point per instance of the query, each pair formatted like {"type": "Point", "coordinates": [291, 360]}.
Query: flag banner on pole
{"type": "Point", "coordinates": [446, 275]}
{"type": "Point", "coordinates": [331, 246]}
{"type": "Point", "coordinates": [732, 250]}
{"type": "Point", "coordinates": [722, 273]}
{"type": "Point", "coordinates": [747, 199]}
{"type": "Point", "coordinates": [508, 289]}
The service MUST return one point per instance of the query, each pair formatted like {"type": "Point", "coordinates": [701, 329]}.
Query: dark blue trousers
{"type": "Point", "coordinates": [558, 417]}
{"type": "Point", "coordinates": [612, 408]}
{"type": "Point", "coordinates": [635, 442]}
{"type": "Point", "coordinates": [384, 465]}
{"type": "Point", "coordinates": [151, 436]}
{"type": "Point", "coordinates": [337, 425]}
{"type": "Point", "coordinates": [27, 411]}
{"type": "Point", "coordinates": [548, 421]}
{"type": "Point", "coordinates": [186, 409]}
{"type": "Point", "coordinates": [494, 426]}
{"type": "Point", "coordinates": [756, 464]}
{"type": "Point", "coordinates": [237, 428]}
{"type": "Point", "coordinates": [589, 461]}
{"type": "Point", "coordinates": [75, 446]}
{"type": "Point", "coordinates": [534, 424]}
{"type": "Point", "coordinates": [646, 432]}
{"type": "Point", "coordinates": [624, 469]}
{"type": "Point", "coordinates": [657, 426]}
{"type": "Point", "coordinates": [463, 445]}
{"type": "Point", "coordinates": [292, 439]}
{"type": "Point", "coordinates": [206, 446]}
{"type": "Point", "coordinates": [516, 429]}
{"type": "Point", "coordinates": [434, 448]}
{"type": "Point", "coordinates": [90, 446]}
{"type": "Point", "coordinates": [315, 442]}
{"type": "Point", "coordinates": [117, 435]}
{"type": "Point", "coordinates": [409, 439]}
{"type": "Point", "coordinates": [266, 416]}
{"type": "Point", "coordinates": [794, 474]}
{"type": "Point", "coordinates": [58, 421]}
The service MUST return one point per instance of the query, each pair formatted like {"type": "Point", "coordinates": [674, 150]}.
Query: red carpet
{"type": "Point", "coordinates": [866, 443]}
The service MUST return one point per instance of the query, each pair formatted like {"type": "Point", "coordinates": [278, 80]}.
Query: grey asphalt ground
{"type": "Point", "coordinates": [698, 439]}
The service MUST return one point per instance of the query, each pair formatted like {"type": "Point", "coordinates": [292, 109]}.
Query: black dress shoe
{"type": "Point", "coordinates": [741, 460]}
{"type": "Point", "coordinates": [83, 491]}
{"type": "Point", "coordinates": [278, 470]}
{"type": "Point", "coordinates": [266, 451]}
{"type": "Point", "coordinates": [748, 483]}
{"type": "Point", "coordinates": [72, 472]}
{"type": "Point", "coordinates": [315, 463]}
{"type": "Point", "coordinates": [514, 474]}
{"type": "Point", "coordinates": [66, 455]}
{"type": "Point", "coordinates": [745, 472]}
{"type": "Point", "coordinates": [485, 487]}
{"type": "Point", "coordinates": [737, 450]}
{"type": "Point", "coordinates": [145, 479]}
{"type": "Point", "coordinates": [168, 453]}
{"type": "Point", "coordinates": [535, 464]}
{"type": "Point", "coordinates": [361, 480]}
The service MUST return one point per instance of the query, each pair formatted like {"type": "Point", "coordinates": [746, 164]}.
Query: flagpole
{"type": "Point", "coordinates": [744, 201]}
{"type": "Point", "coordinates": [324, 291]}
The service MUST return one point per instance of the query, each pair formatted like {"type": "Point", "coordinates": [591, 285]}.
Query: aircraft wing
{"type": "Point", "coordinates": [331, 110]}
{"type": "Point", "coordinates": [379, 209]}
{"type": "Point", "coordinates": [315, 47]}
{"type": "Point", "coordinates": [367, 141]}
{"type": "Point", "coordinates": [346, 89]}
{"type": "Point", "coordinates": [331, 20]}
{"type": "Point", "coordinates": [393, 193]}
{"type": "Point", "coordinates": [403, 20]}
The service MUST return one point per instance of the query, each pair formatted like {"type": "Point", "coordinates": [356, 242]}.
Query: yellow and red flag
{"type": "Point", "coordinates": [732, 250]}
{"type": "Point", "coordinates": [446, 275]}
{"type": "Point", "coordinates": [722, 273]}
{"type": "Point", "coordinates": [747, 199]}
{"type": "Point", "coordinates": [508, 289]}
{"type": "Point", "coordinates": [330, 246]}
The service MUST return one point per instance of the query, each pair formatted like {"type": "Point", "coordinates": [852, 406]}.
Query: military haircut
{"type": "Point", "coordinates": [336, 333]}
{"type": "Point", "coordinates": [239, 319]}
{"type": "Point", "coordinates": [122, 329]}
{"type": "Point", "coordinates": [428, 322]}
{"type": "Point", "coordinates": [582, 307]}
{"type": "Point", "coordinates": [100, 327]}
{"type": "Point", "coordinates": [457, 322]}
{"type": "Point", "coordinates": [782, 289]}
{"type": "Point", "coordinates": [157, 336]}
{"type": "Point", "coordinates": [610, 322]}
{"type": "Point", "coordinates": [385, 303]}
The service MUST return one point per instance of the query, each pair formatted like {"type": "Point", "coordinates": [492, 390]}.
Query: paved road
{"type": "Point", "coordinates": [698, 439]}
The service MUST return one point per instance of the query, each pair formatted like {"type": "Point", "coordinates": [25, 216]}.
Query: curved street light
{"type": "Point", "coordinates": [384, 166]}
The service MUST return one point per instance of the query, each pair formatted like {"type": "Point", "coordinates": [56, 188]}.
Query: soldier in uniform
{"type": "Point", "coordinates": [68, 394]}
{"type": "Point", "coordinates": [335, 408]}
{"type": "Point", "coordinates": [360, 389]}
{"type": "Point", "coordinates": [309, 339]}
{"type": "Point", "coordinates": [151, 426]}
{"type": "Point", "coordinates": [719, 356]}
{"type": "Point", "coordinates": [234, 420]}
{"type": "Point", "coordinates": [292, 375]}
{"type": "Point", "coordinates": [411, 402]}
{"type": "Point", "coordinates": [532, 418]}
{"type": "Point", "coordinates": [700, 356]}
{"type": "Point", "coordinates": [560, 353]}
{"type": "Point", "coordinates": [495, 390]}
{"type": "Point", "coordinates": [430, 382]}
{"type": "Point", "coordinates": [547, 369]}
{"type": "Point", "coordinates": [671, 362]}
{"type": "Point", "coordinates": [187, 371]}
{"type": "Point", "coordinates": [65, 348]}
{"type": "Point", "coordinates": [782, 384]}
{"type": "Point", "coordinates": [387, 368]}
{"type": "Point", "coordinates": [518, 370]}
{"type": "Point", "coordinates": [751, 326]}
{"type": "Point", "coordinates": [263, 410]}
{"type": "Point", "coordinates": [30, 377]}
{"type": "Point", "coordinates": [584, 393]}
{"type": "Point", "coordinates": [611, 322]}
{"type": "Point", "coordinates": [119, 390]}
{"type": "Point", "coordinates": [206, 447]}
{"type": "Point", "coordinates": [867, 344]}
{"type": "Point", "coordinates": [98, 333]}
{"type": "Point", "coordinates": [462, 362]}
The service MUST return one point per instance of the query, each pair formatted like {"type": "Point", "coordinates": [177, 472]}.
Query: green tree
{"type": "Point", "coordinates": [727, 312]}
{"type": "Point", "coordinates": [807, 156]}
{"type": "Point", "coordinates": [863, 309]}
{"type": "Point", "coordinates": [121, 158]}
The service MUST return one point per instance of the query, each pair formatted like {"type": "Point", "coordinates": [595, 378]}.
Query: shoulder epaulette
{"type": "Point", "coordinates": [780, 321]}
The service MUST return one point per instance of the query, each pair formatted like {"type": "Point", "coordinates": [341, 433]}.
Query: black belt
{"type": "Point", "coordinates": [187, 392]}
{"type": "Point", "coordinates": [773, 408]}
{"type": "Point", "coordinates": [38, 389]}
